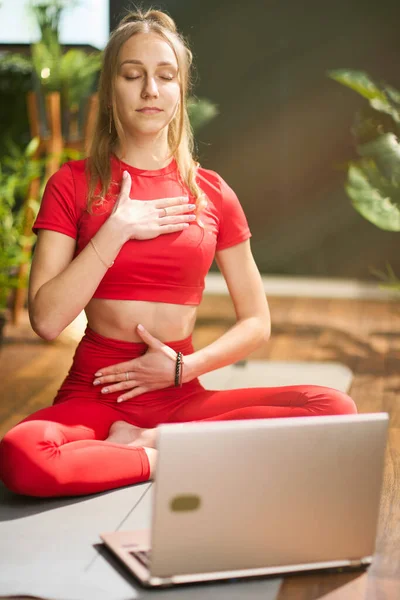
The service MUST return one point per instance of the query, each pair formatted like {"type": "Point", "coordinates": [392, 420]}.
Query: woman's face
{"type": "Point", "coordinates": [143, 82]}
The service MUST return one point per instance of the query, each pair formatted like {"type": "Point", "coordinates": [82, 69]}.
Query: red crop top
{"type": "Point", "coordinates": [169, 268]}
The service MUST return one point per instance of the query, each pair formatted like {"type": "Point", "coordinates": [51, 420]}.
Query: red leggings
{"type": "Point", "coordinates": [60, 450]}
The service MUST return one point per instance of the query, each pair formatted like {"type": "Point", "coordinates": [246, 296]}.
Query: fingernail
{"type": "Point", "coordinates": [140, 327]}
{"type": "Point", "coordinates": [104, 390]}
{"type": "Point", "coordinates": [124, 175]}
{"type": "Point", "coordinates": [98, 374]}
{"type": "Point", "coordinates": [192, 206]}
{"type": "Point", "coordinates": [119, 400]}
{"type": "Point", "coordinates": [96, 382]}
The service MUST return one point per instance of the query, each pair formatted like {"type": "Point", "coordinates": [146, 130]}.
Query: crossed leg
{"type": "Point", "coordinates": [264, 403]}
{"type": "Point", "coordinates": [82, 447]}
{"type": "Point", "coordinates": [246, 403]}
{"type": "Point", "coordinates": [62, 450]}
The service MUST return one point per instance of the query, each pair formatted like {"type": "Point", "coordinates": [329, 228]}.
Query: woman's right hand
{"type": "Point", "coordinates": [144, 220]}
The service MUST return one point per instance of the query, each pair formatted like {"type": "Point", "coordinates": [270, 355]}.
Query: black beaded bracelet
{"type": "Point", "coordinates": [178, 369]}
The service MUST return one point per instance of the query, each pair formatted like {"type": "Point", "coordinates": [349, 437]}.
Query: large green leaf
{"type": "Point", "coordinates": [371, 201]}
{"type": "Point", "coordinates": [360, 82]}
{"type": "Point", "coordinates": [385, 107]}
{"type": "Point", "coordinates": [385, 151]}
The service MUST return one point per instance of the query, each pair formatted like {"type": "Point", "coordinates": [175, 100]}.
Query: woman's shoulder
{"type": "Point", "coordinates": [70, 169]}
{"type": "Point", "coordinates": [209, 178]}
{"type": "Point", "coordinates": [212, 179]}
{"type": "Point", "coordinates": [76, 168]}
{"type": "Point", "coordinates": [71, 175]}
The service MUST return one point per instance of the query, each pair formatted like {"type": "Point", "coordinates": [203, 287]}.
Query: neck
{"type": "Point", "coordinates": [148, 153]}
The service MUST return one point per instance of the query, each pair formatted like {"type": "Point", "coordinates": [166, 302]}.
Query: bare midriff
{"type": "Point", "coordinates": [118, 319]}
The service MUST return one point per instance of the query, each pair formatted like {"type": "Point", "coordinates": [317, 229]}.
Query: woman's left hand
{"type": "Point", "coordinates": [152, 371]}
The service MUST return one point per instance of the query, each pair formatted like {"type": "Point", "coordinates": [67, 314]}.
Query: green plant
{"type": "Point", "coordinates": [47, 54]}
{"type": "Point", "coordinates": [373, 181]}
{"type": "Point", "coordinates": [200, 111]}
{"type": "Point", "coordinates": [17, 170]}
{"type": "Point", "coordinates": [71, 73]}
{"type": "Point", "coordinates": [46, 61]}
{"type": "Point", "coordinates": [48, 14]}
{"type": "Point", "coordinates": [78, 71]}
{"type": "Point", "coordinates": [15, 82]}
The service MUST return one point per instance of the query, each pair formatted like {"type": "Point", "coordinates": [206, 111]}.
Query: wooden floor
{"type": "Point", "coordinates": [364, 335]}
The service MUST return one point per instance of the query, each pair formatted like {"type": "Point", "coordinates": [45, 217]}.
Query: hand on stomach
{"type": "Point", "coordinates": [118, 319]}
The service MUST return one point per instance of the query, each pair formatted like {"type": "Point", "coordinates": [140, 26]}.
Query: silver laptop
{"type": "Point", "coordinates": [259, 497]}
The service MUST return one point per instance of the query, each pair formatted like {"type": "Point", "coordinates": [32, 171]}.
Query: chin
{"type": "Point", "coordinates": [147, 130]}
{"type": "Point", "coordinates": [149, 127]}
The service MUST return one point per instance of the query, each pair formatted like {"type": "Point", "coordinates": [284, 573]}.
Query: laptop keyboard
{"type": "Point", "coordinates": [143, 556]}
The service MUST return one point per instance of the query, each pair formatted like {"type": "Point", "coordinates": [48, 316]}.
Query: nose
{"type": "Point", "coordinates": [150, 87]}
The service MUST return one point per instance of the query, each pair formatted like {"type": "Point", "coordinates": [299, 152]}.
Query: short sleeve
{"type": "Point", "coordinates": [233, 227]}
{"type": "Point", "coordinates": [58, 207]}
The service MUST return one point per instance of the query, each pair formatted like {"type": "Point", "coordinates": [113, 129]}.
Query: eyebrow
{"type": "Point", "coordinates": [133, 61]}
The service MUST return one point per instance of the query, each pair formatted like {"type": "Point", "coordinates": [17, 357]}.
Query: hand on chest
{"type": "Point", "coordinates": [183, 257]}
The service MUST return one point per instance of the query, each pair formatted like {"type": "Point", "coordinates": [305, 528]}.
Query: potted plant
{"type": "Point", "coordinates": [69, 74]}
{"type": "Point", "coordinates": [373, 181]}
{"type": "Point", "coordinates": [17, 170]}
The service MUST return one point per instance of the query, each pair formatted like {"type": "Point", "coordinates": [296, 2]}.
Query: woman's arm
{"type": "Point", "coordinates": [59, 287]}
{"type": "Point", "coordinates": [253, 326]}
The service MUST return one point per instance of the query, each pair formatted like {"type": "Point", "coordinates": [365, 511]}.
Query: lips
{"type": "Point", "coordinates": [150, 110]}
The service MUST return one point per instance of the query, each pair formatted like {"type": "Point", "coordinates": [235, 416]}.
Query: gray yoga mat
{"type": "Point", "coordinates": [50, 548]}
{"type": "Point", "coordinates": [260, 373]}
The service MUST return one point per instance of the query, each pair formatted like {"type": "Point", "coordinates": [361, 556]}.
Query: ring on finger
{"type": "Point", "coordinates": [165, 212]}
{"type": "Point", "coordinates": [127, 376]}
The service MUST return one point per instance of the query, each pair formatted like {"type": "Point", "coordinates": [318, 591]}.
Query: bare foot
{"type": "Point", "coordinates": [122, 432]}
{"type": "Point", "coordinates": [152, 456]}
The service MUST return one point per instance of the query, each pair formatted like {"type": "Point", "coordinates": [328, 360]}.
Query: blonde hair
{"type": "Point", "coordinates": [180, 135]}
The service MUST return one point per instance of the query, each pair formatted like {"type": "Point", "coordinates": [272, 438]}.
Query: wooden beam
{"type": "Point", "coordinates": [90, 121]}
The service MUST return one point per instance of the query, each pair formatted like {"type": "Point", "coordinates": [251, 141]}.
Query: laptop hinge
{"type": "Point", "coordinates": [355, 563]}
{"type": "Point", "coordinates": [160, 581]}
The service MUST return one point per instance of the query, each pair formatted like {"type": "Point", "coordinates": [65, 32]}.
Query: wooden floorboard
{"type": "Point", "coordinates": [364, 335]}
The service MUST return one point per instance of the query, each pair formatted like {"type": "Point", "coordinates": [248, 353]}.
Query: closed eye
{"type": "Point", "coordinates": [138, 77]}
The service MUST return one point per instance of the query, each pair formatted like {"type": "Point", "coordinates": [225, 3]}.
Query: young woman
{"type": "Point", "coordinates": [129, 235]}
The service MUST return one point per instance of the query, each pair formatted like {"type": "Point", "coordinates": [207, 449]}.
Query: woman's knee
{"type": "Point", "coordinates": [339, 403]}
{"type": "Point", "coordinates": [22, 460]}
{"type": "Point", "coordinates": [323, 400]}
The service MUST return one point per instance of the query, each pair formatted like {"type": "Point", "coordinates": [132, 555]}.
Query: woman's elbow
{"type": "Point", "coordinates": [46, 334]}
{"type": "Point", "coordinates": [264, 325]}
{"type": "Point", "coordinates": [43, 328]}
{"type": "Point", "coordinates": [262, 330]}
{"type": "Point", "coordinates": [265, 331]}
